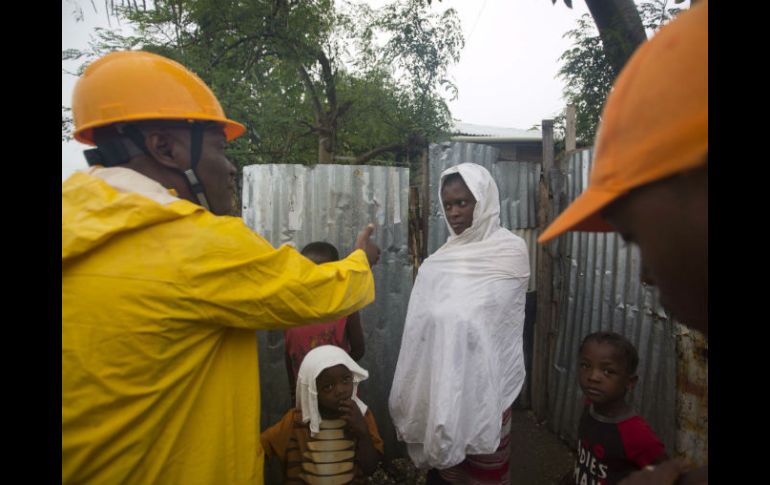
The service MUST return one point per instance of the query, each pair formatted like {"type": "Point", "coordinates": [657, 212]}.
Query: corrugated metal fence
{"type": "Point", "coordinates": [299, 204]}
{"type": "Point", "coordinates": [602, 291]}
{"type": "Point", "coordinates": [600, 283]}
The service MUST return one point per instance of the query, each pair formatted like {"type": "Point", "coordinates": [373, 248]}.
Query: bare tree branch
{"type": "Point", "coordinates": [328, 79]}
{"type": "Point", "coordinates": [311, 90]}
{"type": "Point", "coordinates": [315, 128]}
{"type": "Point", "coordinates": [395, 147]}
{"type": "Point", "coordinates": [620, 28]}
{"type": "Point", "coordinates": [232, 46]}
{"type": "Point", "coordinates": [343, 108]}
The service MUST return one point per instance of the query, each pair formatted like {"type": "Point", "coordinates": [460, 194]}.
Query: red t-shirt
{"type": "Point", "coordinates": [301, 340]}
{"type": "Point", "coordinates": [610, 449]}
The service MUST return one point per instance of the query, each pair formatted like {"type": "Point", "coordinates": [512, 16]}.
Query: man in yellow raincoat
{"type": "Point", "coordinates": [162, 291]}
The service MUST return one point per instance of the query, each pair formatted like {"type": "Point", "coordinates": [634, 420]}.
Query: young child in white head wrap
{"type": "Point", "coordinates": [330, 436]}
{"type": "Point", "coordinates": [315, 362]}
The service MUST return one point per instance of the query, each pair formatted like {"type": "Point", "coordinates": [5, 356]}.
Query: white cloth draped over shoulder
{"type": "Point", "coordinates": [461, 361]}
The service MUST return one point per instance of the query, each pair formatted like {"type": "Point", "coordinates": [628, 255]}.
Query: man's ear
{"type": "Point", "coordinates": [165, 148]}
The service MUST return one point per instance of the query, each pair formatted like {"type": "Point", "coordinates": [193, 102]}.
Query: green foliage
{"type": "Point", "coordinates": [296, 73]}
{"type": "Point", "coordinates": [588, 74]}
{"type": "Point", "coordinates": [588, 77]}
{"type": "Point", "coordinates": [66, 124]}
{"type": "Point", "coordinates": [655, 14]}
{"type": "Point", "coordinates": [412, 62]}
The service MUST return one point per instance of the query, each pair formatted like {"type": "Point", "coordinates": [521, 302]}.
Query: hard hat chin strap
{"type": "Point", "coordinates": [116, 151]}
{"type": "Point", "coordinates": [196, 148]}
{"type": "Point", "coordinates": [113, 149]}
{"type": "Point", "coordinates": [111, 153]}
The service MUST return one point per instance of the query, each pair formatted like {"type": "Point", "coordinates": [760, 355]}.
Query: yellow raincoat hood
{"type": "Point", "coordinates": [93, 211]}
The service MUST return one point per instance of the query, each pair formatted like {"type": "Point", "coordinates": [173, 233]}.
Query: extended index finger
{"type": "Point", "coordinates": [368, 230]}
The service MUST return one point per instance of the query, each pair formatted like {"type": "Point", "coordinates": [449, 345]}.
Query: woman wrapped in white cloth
{"type": "Point", "coordinates": [461, 363]}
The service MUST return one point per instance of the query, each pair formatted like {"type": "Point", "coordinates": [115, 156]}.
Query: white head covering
{"type": "Point", "coordinates": [486, 214]}
{"type": "Point", "coordinates": [461, 362]}
{"type": "Point", "coordinates": [313, 364]}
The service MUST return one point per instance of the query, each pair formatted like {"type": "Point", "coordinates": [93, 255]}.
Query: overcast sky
{"type": "Point", "coordinates": [506, 75]}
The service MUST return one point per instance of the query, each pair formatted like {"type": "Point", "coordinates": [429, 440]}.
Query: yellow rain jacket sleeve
{"type": "Point", "coordinates": [160, 381]}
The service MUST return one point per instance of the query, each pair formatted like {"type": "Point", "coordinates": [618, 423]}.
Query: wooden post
{"type": "Point", "coordinates": [425, 209]}
{"type": "Point", "coordinates": [419, 208]}
{"type": "Point", "coordinates": [541, 348]}
{"type": "Point", "coordinates": [415, 229]}
{"type": "Point", "coordinates": [570, 141]}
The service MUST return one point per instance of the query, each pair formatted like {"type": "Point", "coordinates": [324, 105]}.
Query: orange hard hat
{"type": "Point", "coordinates": [134, 85]}
{"type": "Point", "coordinates": [654, 124]}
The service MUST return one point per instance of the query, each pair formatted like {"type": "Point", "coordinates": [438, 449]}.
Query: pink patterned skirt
{"type": "Point", "coordinates": [489, 469]}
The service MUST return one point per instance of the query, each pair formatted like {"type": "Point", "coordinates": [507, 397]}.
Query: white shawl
{"type": "Point", "coordinates": [314, 362]}
{"type": "Point", "coordinates": [461, 361]}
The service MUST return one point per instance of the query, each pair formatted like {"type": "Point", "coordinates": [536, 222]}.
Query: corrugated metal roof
{"type": "Point", "coordinates": [469, 129]}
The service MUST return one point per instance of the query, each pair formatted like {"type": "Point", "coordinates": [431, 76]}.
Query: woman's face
{"type": "Point", "coordinates": [458, 205]}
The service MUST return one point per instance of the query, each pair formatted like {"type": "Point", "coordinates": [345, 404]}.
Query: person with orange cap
{"type": "Point", "coordinates": [649, 180]}
{"type": "Point", "coordinates": [162, 289]}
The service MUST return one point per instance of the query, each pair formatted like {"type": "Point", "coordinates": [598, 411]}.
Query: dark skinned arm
{"type": "Point", "coordinates": [670, 472]}
{"type": "Point", "coordinates": [290, 373]}
{"type": "Point", "coordinates": [698, 476]}
{"type": "Point", "coordinates": [364, 243]}
{"type": "Point", "coordinates": [660, 459]}
{"type": "Point", "coordinates": [355, 335]}
{"type": "Point", "coordinates": [367, 455]}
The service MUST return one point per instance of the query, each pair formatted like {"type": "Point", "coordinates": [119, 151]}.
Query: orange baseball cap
{"type": "Point", "coordinates": [654, 124]}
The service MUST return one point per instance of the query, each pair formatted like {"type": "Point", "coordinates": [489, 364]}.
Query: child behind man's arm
{"type": "Point", "coordinates": [345, 333]}
{"type": "Point", "coordinates": [355, 336]}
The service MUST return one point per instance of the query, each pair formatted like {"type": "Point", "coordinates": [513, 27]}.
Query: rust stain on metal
{"type": "Point", "coordinates": [692, 395]}
{"type": "Point", "coordinates": [694, 388]}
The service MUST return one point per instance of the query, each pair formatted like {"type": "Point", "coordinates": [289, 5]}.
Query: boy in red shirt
{"type": "Point", "coordinates": [613, 440]}
{"type": "Point", "coordinates": [345, 333]}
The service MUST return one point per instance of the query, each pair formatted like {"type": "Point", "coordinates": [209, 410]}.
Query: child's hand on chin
{"type": "Point", "coordinates": [356, 424]}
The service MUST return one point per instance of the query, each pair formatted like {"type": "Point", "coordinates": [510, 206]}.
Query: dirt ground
{"type": "Point", "coordinates": [538, 457]}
